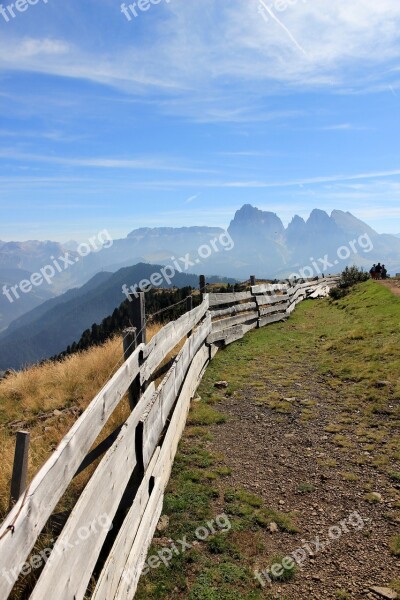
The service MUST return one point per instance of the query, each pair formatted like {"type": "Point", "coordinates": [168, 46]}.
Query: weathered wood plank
{"type": "Point", "coordinates": [218, 336]}
{"type": "Point", "coordinates": [233, 310]}
{"type": "Point", "coordinates": [158, 409]}
{"type": "Point", "coordinates": [272, 319]}
{"type": "Point", "coordinates": [250, 326]}
{"type": "Point", "coordinates": [111, 574]}
{"type": "Point", "coordinates": [68, 571]}
{"type": "Point", "coordinates": [264, 300]}
{"type": "Point", "coordinates": [31, 513]}
{"type": "Point", "coordinates": [228, 298]}
{"type": "Point", "coordinates": [134, 565]}
{"type": "Point", "coordinates": [178, 420]}
{"type": "Point", "coordinates": [162, 471]}
{"type": "Point", "coordinates": [236, 320]}
{"type": "Point", "coordinates": [169, 336]}
{"type": "Point", "coordinates": [269, 287]}
{"type": "Point", "coordinates": [320, 292]}
{"type": "Point", "coordinates": [273, 309]}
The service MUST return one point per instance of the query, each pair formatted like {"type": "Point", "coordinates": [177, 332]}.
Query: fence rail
{"type": "Point", "coordinates": [139, 455]}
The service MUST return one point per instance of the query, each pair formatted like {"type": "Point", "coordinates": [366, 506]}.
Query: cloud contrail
{"type": "Point", "coordinates": [288, 32]}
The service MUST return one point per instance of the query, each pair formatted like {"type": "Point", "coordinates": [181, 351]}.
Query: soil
{"type": "Point", "coordinates": [392, 284]}
{"type": "Point", "coordinates": [282, 452]}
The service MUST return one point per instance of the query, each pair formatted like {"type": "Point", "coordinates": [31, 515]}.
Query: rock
{"type": "Point", "coordinates": [273, 527]}
{"type": "Point", "coordinates": [163, 524]}
{"type": "Point", "coordinates": [383, 592]}
{"type": "Point", "coordinates": [57, 413]}
{"type": "Point", "coordinates": [221, 385]}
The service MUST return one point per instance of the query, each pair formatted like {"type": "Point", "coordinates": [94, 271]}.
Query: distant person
{"type": "Point", "coordinates": [378, 270]}
{"type": "Point", "coordinates": [384, 272]}
{"type": "Point", "coordinates": [373, 272]}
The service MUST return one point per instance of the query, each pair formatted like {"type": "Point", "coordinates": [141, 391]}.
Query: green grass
{"type": "Point", "coordinates": [306, 488]}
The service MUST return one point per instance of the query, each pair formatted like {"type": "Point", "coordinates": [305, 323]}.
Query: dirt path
{"type": "Point", "coordinates": [392, 284]}
{"type": "Point", "coordinates": [284, 454]}
{"type": "Point", "coordinates": [302, 455]}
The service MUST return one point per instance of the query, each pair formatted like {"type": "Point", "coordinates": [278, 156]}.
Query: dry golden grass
{"type": "Point", "coordinates": [29, 398]}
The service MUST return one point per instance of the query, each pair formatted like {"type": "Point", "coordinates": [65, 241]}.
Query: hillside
{"type": "Point", "coordinates": [9, 311]}
{"type": "Point", "coordinates": [319, 413]}
{"type": "Point", "coordinates": [60, 322]}
{"type": "Point", "coordinates": [47, 399]}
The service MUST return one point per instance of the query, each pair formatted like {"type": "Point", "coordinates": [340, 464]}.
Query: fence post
{"type": "Point", "coordinates": [130, 345]}
{"type": "Point", "coordinates": [189, 307]}
{"type": "Point", "coordinates": [203, 288]}
{"type": "Point", "coordinates": [137, 316]}
{"type": "Point", "coordinates": [252, 280]}
{"type": "Point", "coordinates": [20, 468]}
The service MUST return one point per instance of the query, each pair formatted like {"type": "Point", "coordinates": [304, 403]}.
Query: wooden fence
{"type": "Point", "coordinates": [137, 457]}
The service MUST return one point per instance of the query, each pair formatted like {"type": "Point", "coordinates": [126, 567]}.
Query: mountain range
{"type": "Point", "coordinates": [256, 242]}
{"type": "Point", "coordinates": [48, 329]}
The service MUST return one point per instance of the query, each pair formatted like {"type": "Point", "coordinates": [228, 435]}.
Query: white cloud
{"type": "Point", "coordinates": [208, 44]}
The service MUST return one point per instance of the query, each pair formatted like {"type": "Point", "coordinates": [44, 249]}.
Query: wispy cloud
{"type": "Point", "coordinates": [146, 164]}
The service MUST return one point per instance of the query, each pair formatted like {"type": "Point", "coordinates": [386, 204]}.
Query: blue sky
{"type": "Point", "coordinates": [191, 109]}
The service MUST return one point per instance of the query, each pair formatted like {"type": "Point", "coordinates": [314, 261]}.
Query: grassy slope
{"type": "Point", "coordinates": [355, 342]}
{"type": "Point", "coordinates": [29, 398]}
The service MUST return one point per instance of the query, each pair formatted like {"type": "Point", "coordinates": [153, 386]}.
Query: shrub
{"type": "Point", "coordinates": [350, 276]}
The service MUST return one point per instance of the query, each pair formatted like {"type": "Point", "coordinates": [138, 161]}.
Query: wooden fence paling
{"type": "Point", "coordinates": [233, 310]}
{"type": "Point", "coordinates": [273, 309]}
{"type": "Point", "coordinates": [236, 320]}
{"type": "Point", "coordinates": [167, 339]}
{"type": "Point", "coordinates": [130, 344]}
{"type": "Point", "coordinates": [162, 471]}
{"type": "Point", "coordinates": [66, 575]}
{"type": "Point", "coordinates": [31, 513]}
{"type": "Point", "coordinates": [156, 413]}
{"type": "Point", "coordinates": [137, 557]}
{"type": "Point", "coordinates": [20, 467]}
{"type": "Point", "coordinates": [202, 285]}
{"type": "Point", "coordinates": [111, 574]}
{"type": "Point", "coordinates": [228, 298]}
{"type": "Point", "coordinates": [137, 315]}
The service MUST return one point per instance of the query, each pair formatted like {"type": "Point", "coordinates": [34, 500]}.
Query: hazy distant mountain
{"type": "Point", "coordinates": [12, 310]}
{"type": "Point", "coordinates": [50, 328]}
{"type": "Point", "coordinates": [262, 246]}
{"type": "Point", "coordinates": [21, 259]}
